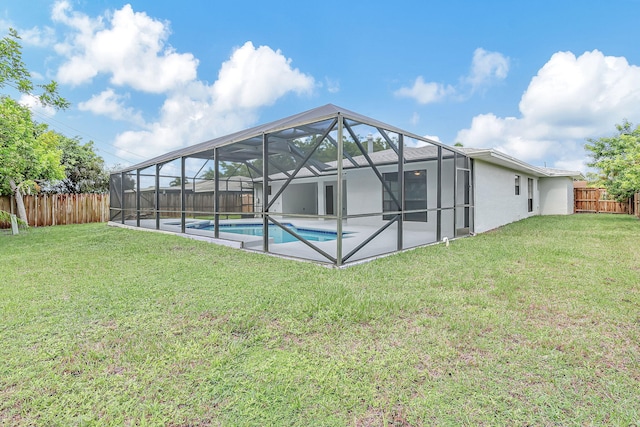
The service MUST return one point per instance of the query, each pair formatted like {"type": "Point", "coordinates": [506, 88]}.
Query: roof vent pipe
{"type": "Point", "coordinates": [370, 143]}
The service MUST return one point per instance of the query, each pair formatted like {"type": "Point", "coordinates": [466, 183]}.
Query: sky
{"type": "Point", "coordinates": [533, 79]}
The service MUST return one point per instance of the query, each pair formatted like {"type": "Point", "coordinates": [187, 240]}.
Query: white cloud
{"type": "Point", "coordinates": [184, 120]}
{"type": "Point", "coordinates": [129, 46]}
{"type": "Point", "coordinates": [414, 143]}
{"type": "Point", "coordinates": [254, 77]}
{"type": "Point", "coordinates": [40, 37]}
{"type": "Point", "coordinates": [486, 68]}
{"type": "Point", "coordinates": [112, 105]}
{"type": "Point", "coordinates": [333, 86]}
{"type": "Point", "coordinates": [509, 135]}
{"type": "Point", "coordinates": [251, 78]}
{"type": "Point", "coordinates": [36, 106]}
{"type": "Point", "coordinates": [570, 99]}
{"type": "Point", "coordinates": [415, 118]}
{"type": "Point", "coordinates": [426, 93]}
{"type": "Point", "coordinates": [582, 95]}
{"type": "Point", "coordinates": [131, 49]}
{"type": "Point", "coordinates": [36, 36]}
{"type": "Point", "coordinates": [572, 165]}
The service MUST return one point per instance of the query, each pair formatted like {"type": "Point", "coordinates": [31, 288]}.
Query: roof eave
{"type": "Point", "coordinates": [501, 159]}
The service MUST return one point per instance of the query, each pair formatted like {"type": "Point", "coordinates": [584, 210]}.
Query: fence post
{"type": "Point", "coordinates": [14, 225]}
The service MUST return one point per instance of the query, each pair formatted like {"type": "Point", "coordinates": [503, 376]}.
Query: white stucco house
{"type": "Point", "coordinates": [399, 190]}
{"type": "Point", "coordinates": [505, 189]}
{"type": "Point", "coordinates": [508, 189]}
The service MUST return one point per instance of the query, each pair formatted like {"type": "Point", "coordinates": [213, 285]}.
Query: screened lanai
{"type": "Point", "coordinates": [327, 185]}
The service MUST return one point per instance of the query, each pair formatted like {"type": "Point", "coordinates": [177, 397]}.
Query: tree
{"type": "Point", "coordinates": [6, 217]}
{"type": "Point", "coordinates": [617, 159]}
{"type": "Point", "coordinates": [209, 174]}
{"type": "Point", "coordinates": [84, 170]}
{"type": "Point", "coordinates": [177, 182]}
{"type": "Point", "coordinates": [24, 158]}
{"type": "Point", "coordinates": [13, 72]}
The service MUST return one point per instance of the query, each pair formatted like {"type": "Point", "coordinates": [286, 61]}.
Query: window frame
{"type": "Point", "coordinates": [529, 194]}
{"type": "Point", "coordinates": [409, 182]}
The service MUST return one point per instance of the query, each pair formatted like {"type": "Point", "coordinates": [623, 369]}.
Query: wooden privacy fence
{"type": "Point", "coordinates": [200, 202]}
{"type": "Point", "coordinates": [60, 209]}
{"type": "Point", "coordinates": [596, 200]}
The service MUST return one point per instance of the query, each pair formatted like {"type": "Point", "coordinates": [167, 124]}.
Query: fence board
{"type": "Point", "coordinates": [200, 203]}
{"type": "Point", "coordinates": [60, 209]}
{"type": "Point", "coordinates": [595, 200]}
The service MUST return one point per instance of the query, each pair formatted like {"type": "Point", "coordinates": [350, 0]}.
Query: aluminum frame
{"type": "Point", "coordinates": [260, 144]}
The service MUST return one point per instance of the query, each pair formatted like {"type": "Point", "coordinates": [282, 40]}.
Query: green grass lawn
{"type": "Point", "coordinates": [537, 323]}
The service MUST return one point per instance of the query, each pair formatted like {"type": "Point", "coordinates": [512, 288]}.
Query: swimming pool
{"type": "Point", "coordinates": [276, 233]}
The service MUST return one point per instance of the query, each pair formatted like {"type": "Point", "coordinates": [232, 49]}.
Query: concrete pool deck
{"type": "Point", "coordinates": [414, 234]}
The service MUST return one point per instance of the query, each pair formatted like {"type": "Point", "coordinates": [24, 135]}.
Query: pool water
{"type": "Point", "coordinates": [276, 233]}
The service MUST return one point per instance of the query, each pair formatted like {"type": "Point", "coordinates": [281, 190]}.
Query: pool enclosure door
{"type": "Point", "coordinates": [330, 199]}
{"type": "Point", "coordinates": [463, 202]}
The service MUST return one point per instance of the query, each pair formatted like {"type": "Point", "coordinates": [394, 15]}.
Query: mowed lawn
{"type": "Point", "coordinates": [537, 323]}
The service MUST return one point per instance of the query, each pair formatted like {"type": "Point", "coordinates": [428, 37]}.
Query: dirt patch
{"type": "Point", "coordinates": [377, 417]}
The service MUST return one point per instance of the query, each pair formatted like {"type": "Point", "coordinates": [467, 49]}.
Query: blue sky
{"type": "Point", "coordinates": [531, 79]}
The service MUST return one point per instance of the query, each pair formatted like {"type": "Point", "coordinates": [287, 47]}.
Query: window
{"type": "Point", "coordinates": [415, 194]}
{"type": "Point", "coordinates": [388, 204]}
{"type": "Point", "coordinates": [530, 193]}
{"type": "Point", "coordinates": [517, 185]}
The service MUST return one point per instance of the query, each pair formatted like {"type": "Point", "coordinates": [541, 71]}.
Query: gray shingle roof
{"type": "Point", "coordinates": [297, 121]}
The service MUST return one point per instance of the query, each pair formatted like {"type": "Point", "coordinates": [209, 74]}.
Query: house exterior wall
{"type": "Point", "coordinates": [496, 203]}
{"type": "Point", "coordinates": [363, 192]}
{"type": "Point", "coordinates": [300, 198]}
{"type": "Point", "coordinates": [257, 197]}
{"type": "Point", "coordinates": [304, 196]}
{"type": "Point", "coordinates": [556, 196]}
{"type": "Point", "coordinates": [364, 189]}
